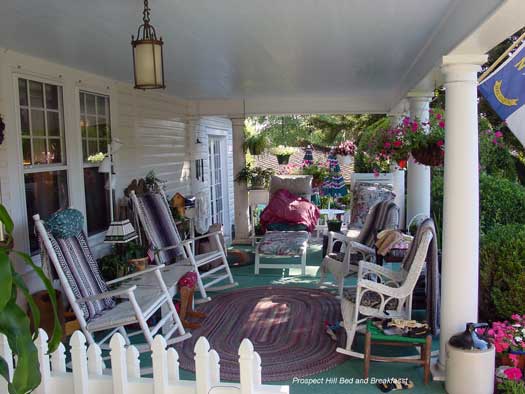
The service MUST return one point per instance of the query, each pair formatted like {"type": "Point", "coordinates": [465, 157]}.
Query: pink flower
{"type": "Point", "coordinates": [397, 144]}
{"type": "Point", "coordinates": [439, 116]}
{"type": "Point", "coordinates": [414, 126]}
{"type": "Point", "coordinates": [514, 359]}
{"type": "Point", "coordinates": [440, 143]}
{"type": "Point", "coordinates": [406, 121]}
{"type": "Point", "coordinates": [498, 134]}
{"type": "Point", "coordinates": [387, 145]}
{"type": "Point", "coordinates": [441, 124]}
{"type": "Point", "coordinates": [513, 373]}
{"type": "Point", "coordinates": [516, 317]}
{"type": "Point", "coordinates": [376, 172]}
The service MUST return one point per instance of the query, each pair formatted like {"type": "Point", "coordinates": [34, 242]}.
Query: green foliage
{"type": "Point", "coordinates": [14, 322]}
{"type": "Point", "coordinates": [255, 143]}
{"type": "Point", "coordinates": [318, 171]}
{"type": "Point", "coordinates": [494, 154]}
{"type": "Point", "coordinates": [255, 176]}
{"type": "Point", "coordinates": [502, 272]}
{"type": "Point", "coordinates": [501, 201]}
{"type": "Point", "coordinates": [511, 387]}
{"type": "Point", "coordinates": [113, 266]}
{"type": "Point", "coordinates": [364, 161]}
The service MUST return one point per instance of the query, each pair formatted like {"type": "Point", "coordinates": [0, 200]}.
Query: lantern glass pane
{"type": "Point", "coordinates": [148, 65]}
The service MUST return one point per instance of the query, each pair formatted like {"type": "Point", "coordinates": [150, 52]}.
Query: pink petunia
{"type": "Point", "coordinates": [498, 134]}
{"type": "Point", "coordinates": [516, 317]}
{"type": "Point", "coordinates": [439, 116]}
{"type": "Point", "coordinates": [440, 143]}
{"type": "Point", "coordinates": [513, 373]}
{"type": "Point", "coordinates": [387, 145]}
{"type": "Point", "coordinates": [397, 144]}
{"type": "Point", "coordinates": [441, 124]}
{"type": "Point", "coordinates": [406, 121]}
{"type": "Point", "coordinates": [414, 126]}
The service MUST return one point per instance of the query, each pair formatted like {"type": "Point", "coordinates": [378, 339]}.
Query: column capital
{"type": "Point", "coordinates": [237, 121]}
{"type": "Point", "coordinates": [462, 68]}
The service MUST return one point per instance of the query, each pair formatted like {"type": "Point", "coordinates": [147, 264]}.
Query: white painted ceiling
{"type": "Point", "coordinates": [377, 49]}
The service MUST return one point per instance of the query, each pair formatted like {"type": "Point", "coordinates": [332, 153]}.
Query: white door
{"type": "Point", "coordinates": [217, 188]}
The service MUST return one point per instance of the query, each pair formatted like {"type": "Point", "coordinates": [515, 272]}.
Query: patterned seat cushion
{"type": "Point", "coordinates": [369, 299]}
{"type": "Point", "coordinates": [82, 272]}
{"type": "Point", "coordinates": [283, 243]}
{"type": "Point", "coordinates": [365, 196]}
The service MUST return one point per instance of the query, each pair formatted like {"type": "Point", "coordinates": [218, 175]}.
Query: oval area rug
{"type": "Point", "coordinates": [285, 325]}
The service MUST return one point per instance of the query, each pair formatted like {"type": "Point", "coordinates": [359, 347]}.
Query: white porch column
{"type": "Point", "coordinates": [240, 191]}
{"type": "Point", "coordinates": [418, 176]}
{"type": "Point", "coordinates": [395, 117]}
{"type": "Point", "coordinates": [460, 266]}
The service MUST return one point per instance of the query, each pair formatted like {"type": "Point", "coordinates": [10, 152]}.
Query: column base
{"type": "Point", "coordinates": [437, 371]}
{"type": "Point", "coordinates": [242, 241]}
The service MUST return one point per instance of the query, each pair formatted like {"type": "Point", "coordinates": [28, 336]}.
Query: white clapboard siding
{"type": "Point", "coordinates": [88, 373]}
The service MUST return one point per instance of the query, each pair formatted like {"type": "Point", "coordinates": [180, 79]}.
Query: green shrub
{"type": "Point", "coordinates": [501, 201]}
{"type": "Point", "coordinates": [494, 155]}
{"type": "Point", "coordinates": [511, 387]}
{"type": "Point", "coordinates": [502, 272]}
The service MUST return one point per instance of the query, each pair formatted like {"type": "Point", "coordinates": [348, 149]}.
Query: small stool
{"type": "Point", "coordinates": [374, 334]}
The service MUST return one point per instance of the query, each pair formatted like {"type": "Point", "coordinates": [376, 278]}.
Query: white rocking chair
{"type": "Point", "coordinates": [161, 231]}
{"type": "Point", "coordinates": [383, 215]}
{"type": "Point", "coordinates": [382, 293]}
{"type": "Point", "coordinates": [143, 294]}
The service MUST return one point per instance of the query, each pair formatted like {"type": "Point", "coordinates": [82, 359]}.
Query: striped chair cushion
{"type": "Point", "coordinates": [161, 227]}
{"type": "Point", "coordinates": [82, 273]}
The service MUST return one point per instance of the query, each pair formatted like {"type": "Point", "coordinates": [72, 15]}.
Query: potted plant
{"type": "Point", "coordinates": [334, 225]}
{"type": "Point", "coordinates": [136, 256]}
{"type": "Point", "coordinates": [319, 172]}
{"type": "Point", "coordinates": [255, 177]}
{"type": "Point", "coordinates": [255, 143]}
{"type": "Point", "coordinates": [509, 340]}
{"type": "Point", "coordinates": [344, 151]}
{"type": "Point", "coordinates": [113, 266]}
{"type": "Point", "coordinates": [282, 153]}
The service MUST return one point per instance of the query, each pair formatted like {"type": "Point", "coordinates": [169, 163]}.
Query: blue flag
{"type": "Point", "coordinates": [504, 89]}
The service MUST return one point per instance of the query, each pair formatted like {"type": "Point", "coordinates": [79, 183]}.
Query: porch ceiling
{"type": "Point", "coordinates": [366, 51]}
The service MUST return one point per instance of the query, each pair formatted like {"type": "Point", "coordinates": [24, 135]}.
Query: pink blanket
{"type": "Point", "coordinates": [285, 207]}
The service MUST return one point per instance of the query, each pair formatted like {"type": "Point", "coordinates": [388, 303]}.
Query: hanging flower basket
{"type": "Point", "coordinates": [431, 155]}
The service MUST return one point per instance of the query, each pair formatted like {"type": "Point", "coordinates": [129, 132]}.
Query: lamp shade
{"type": "Point", "coordinates": [148, 64]}
{"type": "Point", "coordinates": [120, 232]}
{"type": "Point", "coordinates": [105, 166]}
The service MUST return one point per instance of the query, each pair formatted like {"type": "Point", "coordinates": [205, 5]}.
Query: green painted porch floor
{"type": "Point", "coordinates": [352, 368]}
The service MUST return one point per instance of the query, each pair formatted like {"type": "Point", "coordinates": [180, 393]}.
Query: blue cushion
{"type": "Point", "coordinates": [65, 224]}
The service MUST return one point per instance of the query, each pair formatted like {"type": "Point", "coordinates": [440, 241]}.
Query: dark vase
{"type": "Point", "coordinates": [283, 159]}
{"type": "Point", "coordinates": [335, 226]}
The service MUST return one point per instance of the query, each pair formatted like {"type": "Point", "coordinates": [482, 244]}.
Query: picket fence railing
{"type": "Point", "coordinates": [89, 374]}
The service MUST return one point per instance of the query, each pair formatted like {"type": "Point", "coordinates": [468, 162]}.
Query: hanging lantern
{"type": "Point", "coordinates": [148, 62]}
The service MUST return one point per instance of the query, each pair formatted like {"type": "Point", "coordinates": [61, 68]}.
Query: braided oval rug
{"type": "Point", "coordinates": [285, 325]}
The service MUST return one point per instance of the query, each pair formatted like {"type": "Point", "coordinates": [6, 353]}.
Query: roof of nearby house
{"type": "Point", "coordinates": [267, 160]}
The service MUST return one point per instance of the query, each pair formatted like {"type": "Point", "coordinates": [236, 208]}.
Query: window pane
{"type": "Point", "coordinates": [37, 123]}
{"type": "Point", "coordinates": [84, 150]}
{"type": "Point", "coordinates": [36, 94]}
{"type": "Point", "coordinates": [90, 104]}
{"type": "Point", "coordinates": [93, 148]}
{"type": "Point", "coordinates": [83, 126]}
{"type": "Point", "coordinates": [22, 91]}
{"type": "Point", "coordinates": [39, 151]}
{"type": "Point", "coordinates": [53, 124]}
{"type": "Point", "coordinates": [55, 153]}
{"type": "Point", "coordinates": [102, 129]}
{"type": "Point", "coordinates": [97, 200]}
{"type": "Point", "coordinates": [101, 106]}
{"type": "Point", "coordinates": [51, 97]}
{"type": "Point", "coordinates": [26, 150]}
{"type": "Point", "coordinates": [92, 127]}
{"type": "Point", "coordinates": [46, 192]}
{"type": "Point", "coordinates": [24, 121]}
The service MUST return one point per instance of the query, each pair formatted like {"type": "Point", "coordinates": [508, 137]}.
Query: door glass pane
{"type": "Point", "coordinates": [53, 124]}
{"type": "Point", "coordinates": [37, 123]}
{"type": "Point", "coordinates": [24, 121]}
{"type": "Point", "coordinates": [51, 97]}
{"type": "Point", "coordinates": [22, 92]}
{"type": "Point", "coordinates": [39, 151]}
{"type": "Point", "coordinates": [90, 104]}
{"type": "Point", "coordinates": [54, 155]}
{"type": "Point", "coordinates": [97, 200]}
{"type": "Point", "coordinates": [26, 150]}
{"type": "Point", "coordinates": [36, 94]}
{"type": "Point", "coordinates": [46, 193]}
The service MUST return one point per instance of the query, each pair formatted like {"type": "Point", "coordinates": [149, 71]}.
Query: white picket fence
{"type": "Point", "coordinates": [89, 375]}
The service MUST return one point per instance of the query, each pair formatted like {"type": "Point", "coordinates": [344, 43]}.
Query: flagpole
{"type": "Point", "coordinates": [501, 58]}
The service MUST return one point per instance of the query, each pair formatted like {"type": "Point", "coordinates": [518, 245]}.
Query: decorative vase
{"type": "Point", "coordinates": [344, 159]}
{"type": "Point", "coordinates": [139, 264]}
{"type": "Point", "coordinates": [430, 155]}
{"type": "Point", "coordinates": [283, 159]}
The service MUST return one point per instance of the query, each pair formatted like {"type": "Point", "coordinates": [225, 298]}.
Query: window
{"type": "Point", "coordinates": [43, 150]}
{"type": "Point", "coordinates": [96, 135]}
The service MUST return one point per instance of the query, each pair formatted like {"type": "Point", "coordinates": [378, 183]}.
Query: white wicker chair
{"type": "Point", "coordinates": [381, 293]}
{"type": "Point", "coordinates": [143, 294]}
{"type": "Point", "coordinates": [351, 250]}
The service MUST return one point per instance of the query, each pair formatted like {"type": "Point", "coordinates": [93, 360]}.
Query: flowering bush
{"type": "Point", "coordinates": [345, 148]}
{"type": "Point", "coordinates": [318, 170]}
{"type": "Point", "coordinates": [509, 337]}
{"type": "Point", "coordinates": [282, 150]}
